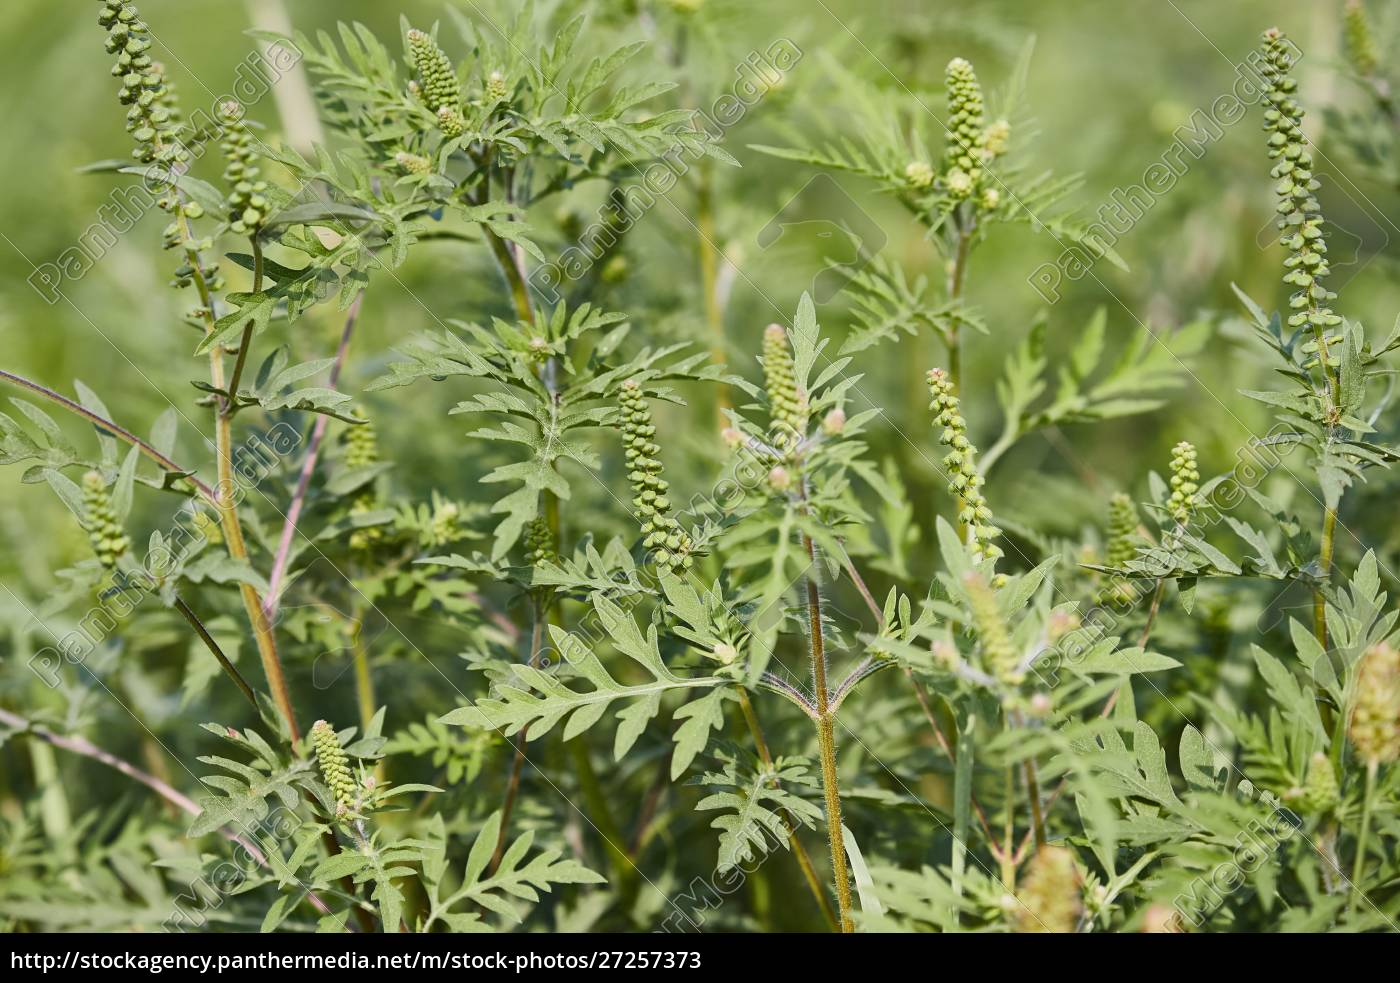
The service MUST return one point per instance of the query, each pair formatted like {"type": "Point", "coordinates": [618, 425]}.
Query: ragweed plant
{"type": "Point", "coordinates": [603, 595]}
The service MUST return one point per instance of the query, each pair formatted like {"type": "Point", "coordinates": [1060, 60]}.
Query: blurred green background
{"type": "Point", "coordinates": [1110, 81]}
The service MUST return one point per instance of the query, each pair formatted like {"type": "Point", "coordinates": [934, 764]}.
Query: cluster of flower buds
{"type": "Point", "coordinates": [361, 451]}
{"type": "Point", "coordinates": [334, 765]}
{"type": "Point", "coordinates": [964, 480]}
{"type": "Point", "coordinates": [1121, 546]}
{"type": "Point", "coordinates": [413, 163]}
{"type": "Point", "coordinates": [1185, 483]}
{"type": "Point", "coordinates": [437, 84]}
{"type": "Point", "coordinates": [971, 146]}
{"type": "Point", "coordinates": [999, 656]}
{"type": "Point", "coordinates": [1360, 40]}
{"type": "Point", "coordinates": [1300, 215]}
{"type": "Point", "coordinates": [1049, 899]}
{"type": "Point", "coordinates": [105, 533]}
{"type": "Point", "coordinates": [247, 197]}
{"type": "Point", "coordinates": [1374, 726]}
{"type": "Point", "coordinates": [444, 526]}
{"type": "Point", "coordinates": [787, 405]}
{"type": "Point", "coordinates": [149, 119]}
{"type": "Point", "coordinates": [1319, 792]}
{"type": "Point", "coordinates": [662, 534]}
{"type": "Point", "coordinates": [539, 542]}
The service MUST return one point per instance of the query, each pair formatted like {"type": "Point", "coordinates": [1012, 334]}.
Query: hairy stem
{"type": "Point", "coordinates": [227, 504]}
{"type": "Point", "coordinates": [826, 739]}
{"type": "Point", "coordinates": [799, 852]}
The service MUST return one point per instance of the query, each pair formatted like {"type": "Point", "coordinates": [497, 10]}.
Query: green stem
{"type": "Point", "coordinates": [231, 404]}
{"type": "Point", "coordinates": [1329, 537]}
{"type": "Point", "coordinates": [227, 505]}
{"type": "Point", "coordinates": [799, 852]}
{"type": "Point", "coordinates": [826, 740]}
{"type": "Point", "coordinates": [957, 273]}
{"type": "Point", "coordinates": [1359, 865]}
{"type": "Point", "coordinates": [709, 278]}
{"type": "Point", "coordinates": [216, 651]}
{"type": "Point", "coordinates": [962, 802]}
{"type": "Point", "coordinates": [613, 839]}
{"type": "Point", "coordinates": [518, 765]}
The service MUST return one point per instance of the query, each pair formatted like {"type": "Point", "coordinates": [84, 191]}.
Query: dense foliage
{"type": "Point", "coordinates": [594, 601]}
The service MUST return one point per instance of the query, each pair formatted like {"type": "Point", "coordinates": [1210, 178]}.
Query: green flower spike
{"type": "Point", "coordinates": [1122, 531]}
{"type": "Point", "coordinates": [998, 651]}
{"type": "Point", "coordinates": [150, 119]}
{"type": "Point", "coordinates": [962, 160]}
{"type": "Point", "coordinates": [247, 201]}
{"type": "Point", "coordinates": [444, 528]}
{"type": "Point", "coordinates": [1185, 482]}
{"type": "Point", "coordinates": [787, 406]}
{"type": "Point", "coordinates": [539, 542]}
{"type": "Point", "coordinates": [1049, 896]}
{"type": "Point", "coordinates": [1320, 792]}
{"type": "Point", "coordinates": [412, 163]}
{"type": "Point", "coordinates": [964, 481]}
{"type": "Point", "coordinates": [1360, 41]}
{"type": "Point", "coordinates": [1121, 546]}
{"type": "Point", "coordinates": [662, 534]}
{"type": "Point", "coordinates": [335, 767]}
{"type": "Point", "coordinates": [450, 122]}
{"type": "Point", "coordinates": [361, 451]}
{"type": "Point", "coordinates": [1375, 710]}
{"type": "Point", "coordinates": [105, 533]}
{"type": "Point", "coordinates": [1300, 215]}
{"type": "Point", "coordinates": [496, 88]}
{"type": "Point", "coordinates": [437, 79]}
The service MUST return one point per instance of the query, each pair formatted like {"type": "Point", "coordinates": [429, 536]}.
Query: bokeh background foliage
{"type": "Point", "coordinates": [1109, 83]}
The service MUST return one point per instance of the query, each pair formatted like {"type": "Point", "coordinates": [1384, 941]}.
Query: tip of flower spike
{"type": "Point", "coordinates": [1272, 34]}
{"type": "Point", "coordinates": [231, 109]}
{"type": "Point", "coordinates": [631, 384]}
{"type": "Point", "coordinates": [416, 35]}
{"type": "Point", "coordinates": [775, 331]}
{"type": "Point", "coordinates": [959, 65]}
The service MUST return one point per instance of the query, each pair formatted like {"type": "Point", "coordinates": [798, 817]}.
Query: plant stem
{"type": "Point", "coordinates": [364, 681]}
{"type": "Point", "coordinates": [826, 739]}
{"type": "Point", "coordinates": [1329, 538]}
{"type": "Point", "coordinates": [799, 852]}
{"type": "Point", "coordinates": [518, 765]}
{"type": "Point", "coordinates": [709, 277]}
{"type": "Point", "coordinates": [227, 505]}
{"type": "Point", "coordinates": [230, 406]}
{"type": "Point", "coordinates": [613, 838]}
{"type": "Point", "coordinates": [1008, 849]}
{"type": "Point", "coordinates": [121, 433]}
{"type": "Point", "coordinates": [1359, 865]}
{"type": "Point", "coordinates": [515, 277]}
{"type": "Point", "coordinates": [957, 272]}
{"type": "Point", "coordinates": [962, 803]}
{"type": "Point", "coordinates": [308, 468]}
{"type": "Point", "coordinates": [216, 651]}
